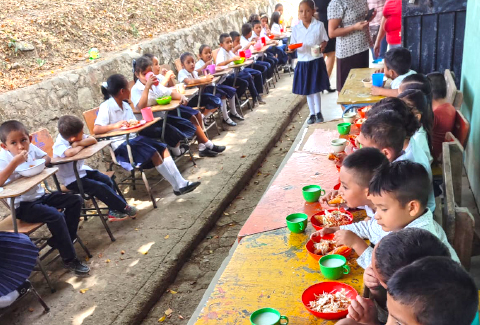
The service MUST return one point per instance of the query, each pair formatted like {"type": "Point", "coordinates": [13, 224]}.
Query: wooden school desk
{"type": "Point", "coordinates": [354, 92]}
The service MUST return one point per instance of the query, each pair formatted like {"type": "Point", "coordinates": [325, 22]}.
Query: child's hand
{"type": "Point", "coordinates": [382, 70]}
{"type": "Point", "coordinates": [183, 100]}
{"type": "Point", "coordinates": [370, 280]}
{"type": "Point", "coordinates": [323, 232]}
{"type": "Point", "coordinates": [323, 46]}
{"type": "Point", "coordinates": [119, 124]}
{"type": "Point", "coordinates": [329, 196]}
{"type": "Point", "coordinates": [209, 77]}
{"type": "Point", "coordinates": [21, 157]}
{"type": "Point", "coordinates": [170, 75]}
{"type": "Point", "coordinates": [376, 91]}
{"type": "Point", "coordinates": [363, 310]}
{"type": "Point", "coordinates": [163, 71]}
{"type": "Point", "coordinates": [360, 25]}
{"type": "Point", "coordinates": [346, 237]}
{"type": "Point", "coordinates": [151, 81]}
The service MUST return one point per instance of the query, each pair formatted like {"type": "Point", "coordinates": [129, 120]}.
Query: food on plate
{"type": "Point", "coordinates": [30, 166]}
{"type": "Point", "coordinates": [331, 302]}
{"type": "Point", "coordinates": [334, 218]}
{"type": "Point", "coordinates": [131, 123]}
{"type": "Point", "coordinates": [334, 157]}
{"type": "Point", "coordinates": [360, 121]}
{"type": "Point", "coordinates": [337, 200]}
{"type": "Point", "coordinates": [328, 247]}
{"type": "Point", "coordinates": [366, 108]}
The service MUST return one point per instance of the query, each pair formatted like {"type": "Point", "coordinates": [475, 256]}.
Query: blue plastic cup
{"type": "Point", "coordinates": [377, 79]}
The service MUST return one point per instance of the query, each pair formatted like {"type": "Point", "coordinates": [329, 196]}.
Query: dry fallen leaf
{"type": "Point", "coordinates": [172, 292]}
{"type": "Point", "coordinates": [168, 311]}
{"type": "Point", "coordinates": [162, 319]}
{"type": "Point", "coordinates": [180, 316]}
{"type": "Point", "coordinates": [107, 261]}
{"type": "Point", "coordinates": [166, 237]}
{"type": "Point", "coordinates": [122, 252]}
{"type": "Point", "coordinates": [83, 290]}
{"type": "Point", "coordinates": [31, 309]}
{"type": "Point", "coordinates": [226, 213]}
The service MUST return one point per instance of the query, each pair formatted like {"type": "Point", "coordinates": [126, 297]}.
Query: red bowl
{"type": "Point", "coordinates": [358, 125]}
{"type": "Point", "coordinates": [319, 288]}
{"type": "Point", "coordinates": [271, 36]}
{"type": "Point", "coordinates": [318, 226]}
{"type": "Point", "coordinates": [295, 46]}
{"type": "Point", "coordinates": [316, 239]}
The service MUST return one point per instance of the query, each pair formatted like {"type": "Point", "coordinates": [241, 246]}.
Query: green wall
{"type": "Point", "coordinates": [470, 86]}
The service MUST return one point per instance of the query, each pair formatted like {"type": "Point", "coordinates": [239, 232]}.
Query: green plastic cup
{"type": "Point", "coordinates": [312, 193]}
{"type": "Point", "coordinates": [297, 222]}
{"type": "Point", "coordinates": [268, 316]}
{"type": "Point", "coordinates": [334, 266]}
{"type": "Point", "coordinates": [344, 128]}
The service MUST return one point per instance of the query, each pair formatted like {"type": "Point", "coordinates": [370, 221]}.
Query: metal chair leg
{"type": "Point", "coordinates": [117, 189]}
{"type": "Point", "coordinates": [39, 298]}
{"type": "Point", "coordinates": [85, 249]}
{"type": "Point", "coordinates": [102, 218]}
{"type": "Point", "coordinates": [45, 275]}
{"type": "Point", "coordinates": [149, 190]}
{"type": "Point", "coordinates": [134, 186]}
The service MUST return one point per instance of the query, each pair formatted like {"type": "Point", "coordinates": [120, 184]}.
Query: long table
{"type": "Point", "coordinates": [354, 92]}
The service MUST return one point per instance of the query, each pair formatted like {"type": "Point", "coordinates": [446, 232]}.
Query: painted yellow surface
{"type": "Point", "coordinates": [354, 92]}
{"type": "Point", "coordinates": [271, 269]}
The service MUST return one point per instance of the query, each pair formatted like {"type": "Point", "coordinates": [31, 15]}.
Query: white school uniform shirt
{"type": "Point", "coordinates": [398, 80]}
{"type": "Point", "coordinates": [65, 173]}
{"type": "Point", "coordinates": [37, 191]}
{"type": "Point", "coordinates": [275, 29]}
{"type": "Point", "coordinates": [199, 64]}
{"type": "Point", "coordinates": [223, 56]}
{"type": "Point", "coordinates": [415, 154]}
{"type": "Point", "coordinates": [368, 210]}
{"type": "Point", "coordinates": [314, 35]}
{"type": "Point", "coordinates": [154, 93]}
{"type": "Point", "coordinates": [263, 32]}
{"type": "Point", "coordinates": [244, 42]}
{"type": "Point", "coordinates": [372, 231]}
{"type": "Point", "coordinates": [421, 139]}
{"type": "Point", "coordinates": [110, 113]}
{"type": "Point", "coordinates": [184, 74]}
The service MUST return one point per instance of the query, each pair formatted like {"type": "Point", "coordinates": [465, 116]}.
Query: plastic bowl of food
{"type": "Point", "coordinates": [338, 145]}
{"type": "Point", "coordinates": [310, 246]}
{"type": "Point", "coordinates": [31, 168]}
{"type": "Point", "coordinates": [311, 294]}
{"type": "Point", "coordinates": [363, 111]}
{"type": "Point", "coordinates": [359, 122]}
{"type": "Point", "coordinates": [240, 61]}
{"type": "Point", "coordinates": [367, 82]}
{"type": "Point", "coordinates": [271, 36]}
{"type": "Point", "coordinates": [318, 225]}
{"type": "Point", "coordinates": [165, 100]}
{"type": "Point", "coordinates": [349, 117]}
{"type": "Point", "coordinates": [295, 46]}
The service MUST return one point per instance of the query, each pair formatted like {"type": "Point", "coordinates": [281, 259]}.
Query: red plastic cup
{"type": "Point", "coordinates": [148, 75]}
{"type": "Point", "coordinates": [264, 41]}
{"type": "Point", "coordinates": [242, 54]}
{"type": "Point", "coordinates": [147, 114]}
{"type": "Point", "coordinates": [281, 30]}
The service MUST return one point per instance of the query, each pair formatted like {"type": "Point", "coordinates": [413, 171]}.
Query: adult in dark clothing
{"type": "Point", "coordinates": [329, 52]}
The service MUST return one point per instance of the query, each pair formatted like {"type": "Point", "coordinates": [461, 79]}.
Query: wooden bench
{"type": "Point", "coordinates": [454, 96]}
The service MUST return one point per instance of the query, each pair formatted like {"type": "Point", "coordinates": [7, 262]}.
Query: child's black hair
{"type": "Point", "coordinates": [141, 64]}
{"type": "Point", "coordinates": [114, 84]}
{"type": "Point", "coordinates": [69, 126]}
{"type": "Point", "coordinates": [256, 22]}
{"type": "Point", "coordinates": [417, 102]}
{"type": "Point", "coordinates": [253, 17]}
{"type": "Point", "coordinates": [309, 3]}
{"type": "Point", "coordinates": [395, 104]}
{"type": "Point", "coordinates": [386, 129]}
{"type": "Point", "coordinates": [263, 15]}
{"type": "Point", "coordinates": [438, 85]}
{"type": "Point", "coordinates": [202, 47]}
{"type": "Point", "coordinates": [10, 126]}
{"type": "Point", "coordinates": [398, 59]}
{"type": "Point", "coordinates": [438, 290]}
{"type": "Point", "coordinates": [223, 36]}
{"type": "Point", "coordinates": [184, 57]}
{"type": "Point", "coordinates": [275, 18]}
{"type": "Point", "coordinates": [246, 29]}
{"type": "Point", "coordinates": [149, 55]}
{"type": "Point", "coordinates": [364, 162]}
{"type": "Point", "coordinates": [403, 247]}
{"type": "Point", "coordinates": [234, 34]}
{"type": "Point", "coordinates": [278, 5]}
{"type": "Point", "coordinates": [406, 180]}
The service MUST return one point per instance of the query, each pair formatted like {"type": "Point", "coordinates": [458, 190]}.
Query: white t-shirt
{"type": "Point", "coordinates": [198, 65]}
{"type": "Point", "coordinates": [421, 139]}
{"type": "Point", "coordinates": [154, 93]}
{"type": "Point", "coordinates": [223, 56]}
{"type": "Point", "coordinates": [33, 153]}
{"type": "Point", "coordinates": [184, 74]}
{"type": "Point", "coordinates": [398, 80]}
{"type": "Point", "coordinates": [110, 113]}
{"type": "Point", "coordinates": [275, 30]}
{"type": "Point", "coordinates": [263, 32]}
{"type": "Point", "coordinates": [65, 173]}
{"type": "Point", "coordinates": [314, 35]}
{"type": "Point", "coordinates": [244, 42]}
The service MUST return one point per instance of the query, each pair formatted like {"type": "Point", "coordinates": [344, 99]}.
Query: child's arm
{"type": "Point", "coordinates": [350, 239]}
{"type": "Point", "coordinates": [143, 102]}
{"type": "Point", "coordinates": [380, 91]}
{"type": "Point", "coordinates": [101, 129]}
{"type": "Point", "coordinates": [200, 70]}
{"type": "Point", "coordinates": [168, 80]}
{"type": "Point", "coordinates": [10, 168]}
{"type": "Point", "coordinates": [73, 151]}
{"type": "Point", "coordinates": [226, 62]}
{"type": "Point", "coordinates": [236, 48]}
{"type": "Point", "coordinates": [84, 142]}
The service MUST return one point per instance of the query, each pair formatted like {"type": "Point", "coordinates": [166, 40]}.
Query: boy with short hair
{"type": "Point", "coordinates": [36, 206]}
{"type": "Point", "coordinates": [70, 141]}
{"type": "Point", "coordinates": [397, 66]}
{"type": "Point", "coordinates": [225, 56]}
{"type": "Point", "coordinates": [262, 62]}
{"type": "Point", "coordinates": [400, 194]}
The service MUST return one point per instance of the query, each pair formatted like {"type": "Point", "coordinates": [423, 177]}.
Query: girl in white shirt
{"type": "Point", "coordinates": [275, 27]}
{"type": "Point", "coordinates": [166, 77]}
{"type": "Point", "coordinates": [114, 113]}
{"type": "Point", "coordinates": [310, 77]}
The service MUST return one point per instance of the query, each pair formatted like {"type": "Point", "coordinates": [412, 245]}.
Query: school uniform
{"type": "Point", "coordinates": [398, 80]}
{"type": "Point", "coordinates": [207, 100]}
{"type": "Point", "coordinates": [263, 66]}
{"type": "Point", "coordinates": [372, 231]}
{"type": "Point", "coordinates": [272, 52]}
{"type": "Point", "coordinates": [276, 30]}
{"type": "Point", "coordinates": [221, 90]}
{"type": "Point", "coordinates": [36, 206]}
{"type": "Point", "coordinates": [310, 75]}
{"type": "Point", "coordinates": [93, 182]}
{"type": "Point", "coordinates": [177, 128]}
{"type": "Point", "coordinates": [421, 138]}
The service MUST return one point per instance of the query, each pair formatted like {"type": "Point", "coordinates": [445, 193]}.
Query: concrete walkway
{"type": "Point", "coordinates": [129, 275]}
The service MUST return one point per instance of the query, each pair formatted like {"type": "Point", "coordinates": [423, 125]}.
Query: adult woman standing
{"type": "Point", "coordinates": [391, 25]}
{"type": "Point", "coordinates": [347, 22]}
{"type": "Point", "coordinates": [329, 52]}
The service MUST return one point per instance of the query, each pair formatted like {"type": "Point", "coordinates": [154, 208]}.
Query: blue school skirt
{"type": "Point", "coordinates": [209, 101]}
{"type": "Point", "coordinates": [221, 91]}
{"type": "Point", "coordinates": [310, 77]}
{"type": "Point", "coordinates": [143, 149]}
{"type": "Point", "coordinates": [185, 111]}
{"type": "Point", "coordinates": [177, 129]}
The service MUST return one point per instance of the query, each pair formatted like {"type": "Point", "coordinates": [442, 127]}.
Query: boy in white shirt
{"type": "Point", "coordinates": [36, 206]}
{"type": "Point", "coordinates": [70, 141]}
{"type": "Point", "coordinates": [262, 62]}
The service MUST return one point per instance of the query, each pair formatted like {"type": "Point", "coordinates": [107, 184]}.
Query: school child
{"type": "Point", "coordinates": [145, 93]}
{"type": "Point", "coordinates": [113, 113]}
{"type": "Point", "coordinates": [253, 17]}
{"type": "Point", "coordinates": [188, 75]}
{"type": "Point", "coordinates": [166, 77]}
{"type": "Point", "coordinates": [387, 131]}
{"type": "Point", "coordinates": [275, 54]}
{"type": "Point", "coordinates": [36, 206]}
{"type": "Point", "coordinates": [279, 9]}
{"type": "Point", "coordinates": [400, 194]}
{"type": "Point", "coordinates": [397, 67]}
{"type": "Point", "coordinates": [417, 103]}
{"type": "Point", "coordinates": [310, 77]}
{"type": "Point", "coordinates": [265, 24]}
{"type": "Point", "coordinates": [355, 174]}
{"type": "Point", "coordinates": [70, 141]}
{"type": "Point", "coordinates": [258, 72]}
{"type": "Point", "coordinates": [225, 56]}
{"type": "Point", "coordinates": [444, 113]}
{"type": "Point", "coordinates": [247, 43]}
{"type": "Point", "coordinates": [275, 26]}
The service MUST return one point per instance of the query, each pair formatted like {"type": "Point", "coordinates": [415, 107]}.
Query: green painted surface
{"type": "Point", "coordinates": [471, 91]}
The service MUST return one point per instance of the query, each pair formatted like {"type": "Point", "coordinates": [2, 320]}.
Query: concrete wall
{"type": "Point", "coordinates": [72, 92]}
{"type": "Point", "coordinates": [470, 86]}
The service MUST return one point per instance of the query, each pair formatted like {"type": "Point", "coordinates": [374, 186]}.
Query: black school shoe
{"type": "Point", "coordinates": [187, 189]}
{"type": "Point", "coordinates": [207, 153]}
{"type": "Point", "coordinates": [218, 148]}
{"type": "Point", "coordinates": [77, 266]}
{"type": "Point", "coordinates": [311, 119]}
{"type": "Point", "coordinates": [319, 117]}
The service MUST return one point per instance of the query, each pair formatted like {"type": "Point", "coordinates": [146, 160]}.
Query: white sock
{"type": "Point", "coordinates": [8, 299]}
{"type": "Point", "coordinates": [311, 104]}
{"type": "Point", "coordinates": [163, 170]}
{"type": "Point", "coordinates": [224, 109]}
{"type": "Point", "coordinates": [175, 151]}
{"type": "Point", "coordinates": [203, 146]}
{"type": "Point", "coordinates": [231, 104]}
{"type": "Point", "coordinates": [173, 170]}
{"type": "Point", "coordinates": [318, 102]}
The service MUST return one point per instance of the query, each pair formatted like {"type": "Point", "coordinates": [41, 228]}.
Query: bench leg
{"type": "Point", "coordinates": [102, 218]}
{"type": "Point", "coordinates": [45, 275]}
{"type": "Point", "coordinates": [85, 249]}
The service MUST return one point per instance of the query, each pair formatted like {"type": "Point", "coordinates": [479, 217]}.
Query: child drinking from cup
{"type": "Point", "coordinates": [166, 77]}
